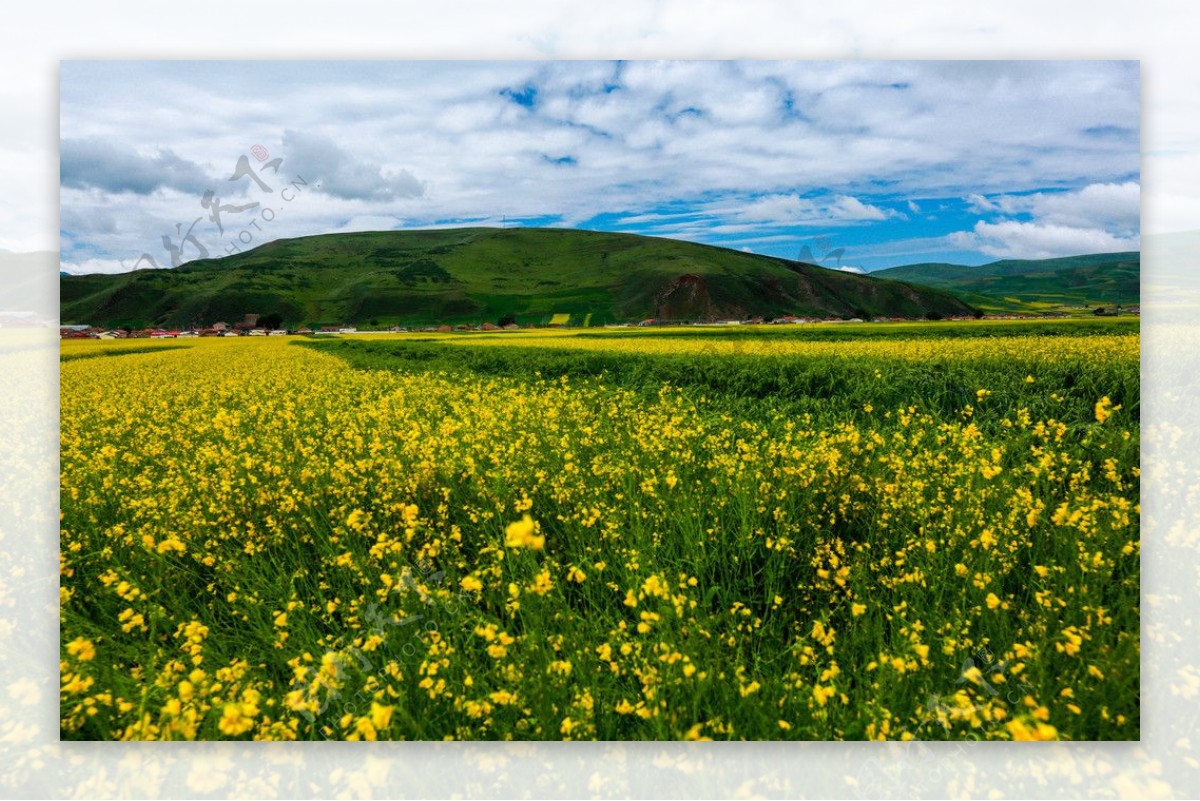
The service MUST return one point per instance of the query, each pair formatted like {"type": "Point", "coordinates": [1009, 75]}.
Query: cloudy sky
{"type": "Point", "coordinates": [857, 165]}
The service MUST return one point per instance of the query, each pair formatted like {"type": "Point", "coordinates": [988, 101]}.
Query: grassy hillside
{"type": "Point", "coordinates": [482, 274]}
{"type": "Point", "coordinates": [1073, 282]}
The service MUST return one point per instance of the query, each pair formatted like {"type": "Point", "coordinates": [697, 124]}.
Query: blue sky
{"type": "Point", "coordinates": [856, 165]}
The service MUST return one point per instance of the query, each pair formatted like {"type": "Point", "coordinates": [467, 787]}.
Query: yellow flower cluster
{"type": "Point", "coordinates": [523, 534]}
{"type": "Point", "coordinates": [260, 542]}
{"type": "Point", "coordinates": [1119, 347]}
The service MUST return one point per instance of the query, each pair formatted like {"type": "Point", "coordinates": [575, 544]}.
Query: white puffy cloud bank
{"type": "Point", "coordinates": [1098, 218]}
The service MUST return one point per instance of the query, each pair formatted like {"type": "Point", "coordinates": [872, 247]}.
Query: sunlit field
{"type": "Point", "coordinates": [789, 532]}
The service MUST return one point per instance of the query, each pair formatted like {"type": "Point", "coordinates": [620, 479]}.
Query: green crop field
{"type": "Point", "coordinates": [874, 531]}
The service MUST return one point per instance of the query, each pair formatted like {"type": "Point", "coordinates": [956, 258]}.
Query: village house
{"type": "Point", "coordinates": [78, 332]}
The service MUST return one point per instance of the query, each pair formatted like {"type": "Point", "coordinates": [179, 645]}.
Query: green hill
{"type": "Point", "coordinates": [1100, 279]}
{"type": "Point", "coordinates": [483, 274]}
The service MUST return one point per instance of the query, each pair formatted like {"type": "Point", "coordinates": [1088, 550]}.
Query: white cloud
{"type": "Point", "coordinates": [1011, 239]}
{"type": "Point", "coordinates": [980, 204]}
{"type": "Point", "coordinates": [793, 209]}
{"type": "Point", "coordinates": [1098, 218]}
{"type": "Point", "coordinates": [846, 268]}
{"type": "Point", "coordinates": [344, 174]}
{"type": "Point", "coordinates": [851, 208]}
{"type": "Point", "coordinates": [1111, 206]}
{"type": "Point", "coordinates": [776, 209]}
{"type": "Point", "coordinates": [370, 222]}
{"type": "Point", "coordinates": [103, 164]}
{"type": "Point", "coordinates": [802, 143]}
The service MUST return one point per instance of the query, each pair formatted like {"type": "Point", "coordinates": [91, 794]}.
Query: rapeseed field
{"type": "Point", "coordinates": [602, 537]}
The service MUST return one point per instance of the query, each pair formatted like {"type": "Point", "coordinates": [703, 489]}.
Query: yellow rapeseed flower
{"type": "Point", "coordinates": [1104, 409]}
{"type": "Point", "coordinates": [524, 534]}
{"type": "Point", "coordinates": [235, 719]}
{"type": "Point", "coordinates": [1031, 730]}
{"type": "Point", "coordinates": [542, 583]}
{"type": "Point", "coordinates": [381, 716]}
{"type": "Point", "coordinates": [81, 648]}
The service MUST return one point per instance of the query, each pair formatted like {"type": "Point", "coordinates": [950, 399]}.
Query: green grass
{"type": "Point", "coordinates": [757, 380]}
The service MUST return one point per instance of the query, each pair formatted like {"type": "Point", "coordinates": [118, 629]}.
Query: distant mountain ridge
{"type": "Point", "coordinates": [1100, 279]}
{"type": "Point", "coordinates": [472, 275]}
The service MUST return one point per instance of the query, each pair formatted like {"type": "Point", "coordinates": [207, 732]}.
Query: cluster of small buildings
{"type": "Point", "coordinates": [215, 330]}
{"type": "Point", "coordinates": [785, 320]}
{"type": "Point", "coordinates": [252, 329]}
{"type": "Point", "coordinates": [250, 326]}
{"type": "Point", "coordinates": [446, 329]}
